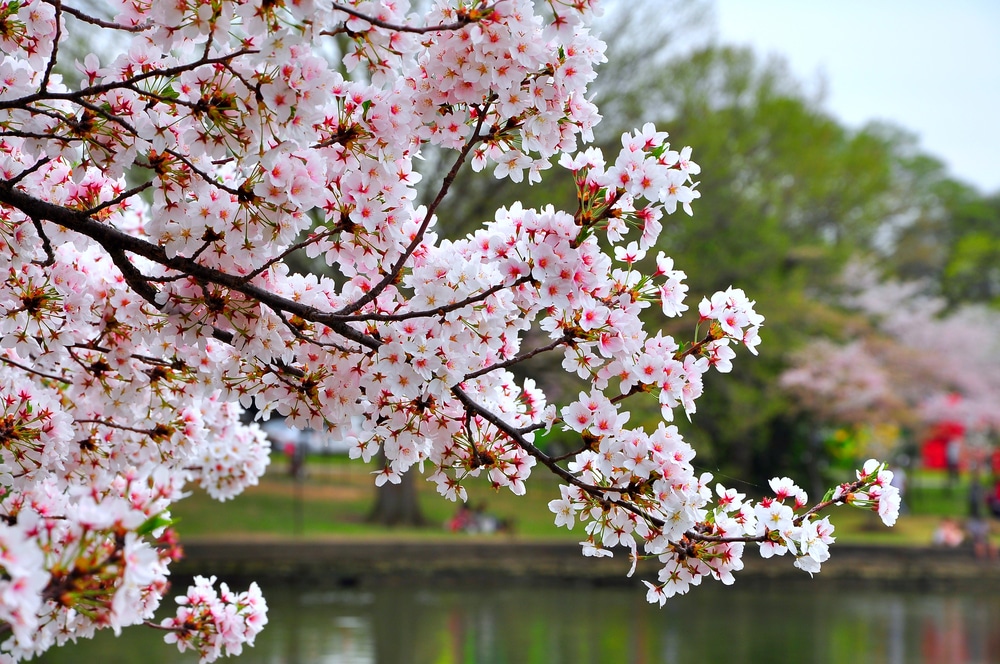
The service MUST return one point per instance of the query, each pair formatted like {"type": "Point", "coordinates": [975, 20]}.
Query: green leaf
{"type": "Point", "coordinates": [154, 523]}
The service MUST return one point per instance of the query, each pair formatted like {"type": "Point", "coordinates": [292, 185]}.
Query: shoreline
{"type": "Point", "coordinates": [492, 562]}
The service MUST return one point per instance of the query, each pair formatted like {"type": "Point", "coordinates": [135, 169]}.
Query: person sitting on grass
{"type": "Point", "coordinates": [948, 534]}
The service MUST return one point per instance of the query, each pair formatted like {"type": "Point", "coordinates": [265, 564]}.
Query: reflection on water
{"type": "Point", "coordinates": [812, 623]}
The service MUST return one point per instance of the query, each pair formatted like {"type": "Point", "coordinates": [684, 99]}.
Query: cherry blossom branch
{"type": "Point", "coordinates": [121, 198]}
{"type": "Point", "coordinates": [570, 455]}
{"type": "Point", "coordinates": [339, 227]}
{"type": "Point", "coordinates": [44, 85]}
{"type": "Point", "coordinates": [113, 239]}
{"type": "Point", "coordinates": [822, 505]}
{"type": "Point", "coordinates": [14, 133]}
{"type": "Point", "coordinates": [50, 257]}
{"type": "Point", "coordinates": [563, 340]}
{"type": "Point", "coordinates": [441, 311]}
{"type": "Point", "coordinates": [98, 110]}
{"type": "Point", "coordinates": [95, 90]}
{"type": "Point", "coordinates": [111, 425]}
{"type": "Point", "coordinates": [297, 332]}
{"type": "Point", "coordinates": [40, 374]}
{"type": "Point", "coordinates": [28, 171]}
{"type": "Point", "coordinates": [698, 346]}
{"type": "Point", "coordinates": [465, 19]}
{"type": "Point", "coordinates": [418, 237]}
{"type": "Point", "coordinates": [133, 277]}
{"type": "Point", "coordinates": [164, 628]}
{"type": "Point", "coordinates": [570, 478]}
{"type": "Point", "coordinates": [101, 23]}
{"type": "Point", "coordinates": [203, 175]}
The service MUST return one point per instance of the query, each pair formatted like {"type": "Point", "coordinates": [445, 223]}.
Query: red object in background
{"type": "Point", "coordinates": [933, 452]}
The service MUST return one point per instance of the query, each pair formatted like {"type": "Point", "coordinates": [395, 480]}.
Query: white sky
{"type": "Point", "coordinates": [931, 66]}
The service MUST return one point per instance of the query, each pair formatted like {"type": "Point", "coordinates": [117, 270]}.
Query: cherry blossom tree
{"type": "Point", "coordinates": [888, 372]}
{"type": "Point", "coordinates": [148, 212]}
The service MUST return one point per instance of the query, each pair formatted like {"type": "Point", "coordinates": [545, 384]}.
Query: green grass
{"type": "Point", "coordinates": [337, 495]}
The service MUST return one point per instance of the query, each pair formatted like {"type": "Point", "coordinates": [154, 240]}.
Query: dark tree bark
{"type": "Point", "coordinates": [397, 504]}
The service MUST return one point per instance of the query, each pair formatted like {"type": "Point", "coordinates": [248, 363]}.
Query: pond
{"type": "Point", "coordinates": [809, 623]}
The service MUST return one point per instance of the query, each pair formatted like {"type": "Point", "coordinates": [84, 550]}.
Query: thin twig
{"type": "Point", "coordinates": [566, 338]}
{"type": "Point", "coordinates": [28, 171]}
{"type": "Point", "coordinates": [44, 85]}
{"type": "Point", "coordinates": [118, 199]}
{"type": "Point", "coordinates": [87, 18]}
{"type": "Point", "coordinates": [50, 257]}
{"type": "Point", "coordinates": [439, 311]}
{"type": "Point", "coordinates": [395, 27]}
{"type": "Point", "coordinates": [60, 379]}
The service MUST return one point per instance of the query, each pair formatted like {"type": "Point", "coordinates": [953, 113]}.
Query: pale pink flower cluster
{"type": "Point", "coordinates": [877, 494]}
{"type": "Point", "coordinates": [30, 29]}
{"type": "Point", "coordinates": [690, 537]}
{"type": "Point", "coordinates": [216, 623]}
{"type": "Point", "coordinates": [76, 544]}
{"type": "Point", "coordinates": [24, 580]}
{"type": "Point", "coordinates": [139, 314]}
{"type": "Point", "coordinates": [734, 313]}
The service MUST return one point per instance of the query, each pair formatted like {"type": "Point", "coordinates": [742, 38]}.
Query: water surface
{"type": "Point", "coordinates": [808, 623]}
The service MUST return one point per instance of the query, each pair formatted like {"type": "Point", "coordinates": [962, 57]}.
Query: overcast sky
{"type": "Point", "coordinates": [930, 66]}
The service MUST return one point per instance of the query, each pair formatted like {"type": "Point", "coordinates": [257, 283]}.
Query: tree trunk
{"type": "Point", "coordinates": [397, 504]}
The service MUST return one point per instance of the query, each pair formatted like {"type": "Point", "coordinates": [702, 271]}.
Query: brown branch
{"type": "Point", "coordinates": [851, 488]}
{"type": "Point", "coordinates": [721, 539]}
{"type": "Point", "coordinates": [118, 199]}
{"type": "Point", "coordinates": [108, 87]}
{"type": "Point", "coordinates": [28, 171]}
{"type": "Point", "coordinates": [59, 379]}
{"type": "Point", "coordinates": [50, 257]}
{"type": "Point", "coordinates": [44, 85]}
{"type": "Point", "coordinates": [697, 347]}
{"type": "Point", "coordinates": [203, 175]}
{"type": "Point", "coordinates": [517, 359]}
{"type": "Point", "coordinates": [113, 239]}
{"type": "Point", "coordinates": [101, 23]}
{"type": "Point", "coordinates": [515, 436]}
{"type": "Point", "coordinates": [464, 20]}
{"type": "Point", "coordinates": [133, 277]}
{"type": "Point", "coordinates": [112, 425]}
{"type": "Point", "coordinates": [14, 133]}
{"type": "Point", "coordinates": [440, 311]}
{"type": "Point", "coordinates": [563, 457]}
{"type": "Point", "coordinates": [150, 623]}
{"type": "Point", "coordinates": [292, 249]}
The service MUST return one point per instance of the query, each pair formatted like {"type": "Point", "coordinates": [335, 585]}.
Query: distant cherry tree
{"type": "Point", "coordinates": [916, 362]}
{"type": "Point", "coordinates": [147, 216]}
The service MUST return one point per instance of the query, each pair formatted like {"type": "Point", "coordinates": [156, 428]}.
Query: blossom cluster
{"type": "Point", "coordinates": [76, 560]}
{"type": "Point", "coordinates": [216, 623]}
{"type": "Point", "coordinates": [148, 209]}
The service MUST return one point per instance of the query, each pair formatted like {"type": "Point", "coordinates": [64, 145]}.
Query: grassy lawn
{"type": "Point", "coordinates": [337, 494]}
